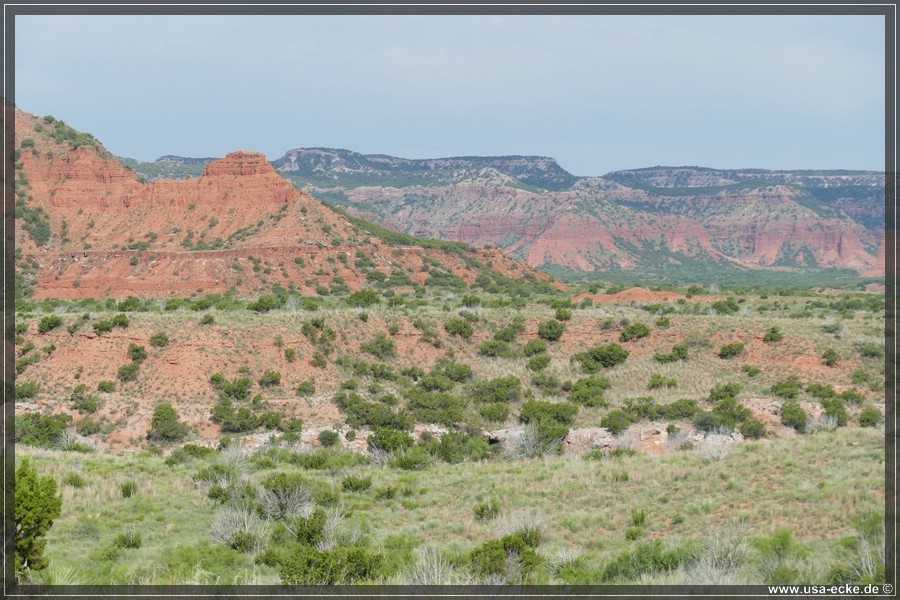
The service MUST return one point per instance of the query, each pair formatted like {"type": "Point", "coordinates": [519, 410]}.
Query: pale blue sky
{"type": "Point", "coordinates": [598, 93]}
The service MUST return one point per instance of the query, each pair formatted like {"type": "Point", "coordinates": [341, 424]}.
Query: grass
{"type": "Point", "coordinates": [815, 485]}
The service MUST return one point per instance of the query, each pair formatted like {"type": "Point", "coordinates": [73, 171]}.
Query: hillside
{"type": "Point", "coordinates": [89, 227]}
{"type": "Point", "coordinates": [667, 223]}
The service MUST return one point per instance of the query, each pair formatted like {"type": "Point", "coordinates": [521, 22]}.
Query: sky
{"type": "Point", "coordinates": [598, 93]}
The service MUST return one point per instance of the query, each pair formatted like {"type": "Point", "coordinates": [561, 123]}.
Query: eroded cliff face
{"type": "Point", "coordinates": [240, 224]}
{"type": "Point", "coordinates": [596, 227]}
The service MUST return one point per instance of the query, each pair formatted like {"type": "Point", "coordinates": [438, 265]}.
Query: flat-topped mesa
{"type": "Point", "coordinates": [240, 163]}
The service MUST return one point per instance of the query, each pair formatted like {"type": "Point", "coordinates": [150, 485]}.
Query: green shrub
{"type": "Point", "coordinates": [853, 397]}
{"type": "Point", "coordinates": [389, 440]}
{"type": "Point", "coordinates": [34, 429]}
{"type": "Point", "coordinates": [73, 479]}
{"type": "Point", "coordinates": [341, 565]}
{"type": "Point", "coordinates": [128, 372]}
{"type": "Point", "coordinates": [831, 357]}
{"type": "Point", "coordinates": [128, 488]}
{"type": "Point", "coordinates": [617, 421]}
{"type": "Point", "coordinates": [663, 322]}
{"type": "Point", "coordinates": [501, 389]}
{"type": "Point", "coordinates": [486, 511]}
{"type": "Point", "coordinates": [159, 339]}
{"type": "Point", "coordinates": [27, 390]}
{"type": "Point", "coordinates": [787, 388]}
{"type": "Point", "coordinates": [36, 507]}
{"type": "Point", "coordinates": [494, 348]}
{"type": "Point", "coordinates": [412, 459]}
{"type": "Point", "coordinates": [794, 416]}
{"type": "Point", "coordinates": [49, 323]}
{"type": "Point", "coordinates": [536, 346]}
{"type": "Point", "coordinates": [551, 330]}
{"type": "Point", "coordinates": [870, 350]}
{"type": "Point", "coordinates": [870, 417]}
{"type": "Point", "coordinates": [491, 558]}
{"type": "Point", "coordinates": [329, 438]}
{"type": "Point", "coordinates": [773, 335]}
{"type": "Point", "coordinates": [435, 407]}
{"type": "Point", "coordinates": [750, 370]}
{"type": "Point", "coordinates": [708, 421]}
{"type": "Point", "coordinates": [495, 411]}
{"type": "Point", "coordinates": [85, 403]}
{"type": "Point", "coordinates": [129, 539]}
{"type": "Point", "coordinates": [455, 447]}
{"type": "Point", "coordinates": [753, 429]}
{"type": "Point", "coordinates": [684, 408]}
{"type": "Point", "coordinates": [647, 558]}
{"type": "Point", "coordinates": [731, 350]}
{"type": "Point", "coordinates": [452, 370]}
{"type": "Point", "coordinates": [538, 363]}
{"type": "Point", "coordinates": [548, 384]}
{"type": "Point", "coordinates": [380, 346]}
{"type": "Point", "coordinates": [136, 353]}
{"type": "Point", "coordinates": [460, 327]}
{"type": "Point", "coordinates": [834, 407]}
{"type": "Point", "coordinates": [121, 320]}
{"type": "Point", "coordinates": [635, 331]}
{"type": "Point", "coordinates": [679, 352]}
{"type": "Point", "coordinates": [724, 391]}
{"type": "Point", "coordinates": [104, 326]}
{"type": "Point", "coordinates": [563, 314]}
{"type": "Point", "coordinates": [106, 386]}
{"type": "Point", "coordinates": [588, 391]}
{"type": "Point", "coordinates": [306, 388]}
{"type": "Point", "coordinates": [207, 319]}
{"type": "Point", "coordinates": [165, 425]}
{"type": "Point", "coordinates": [270, 378]}
{"type": "Point", "coordinates": [598, 357]}
{"type": "Point", "coordinates": [658, 381]}
{"type": "Point", "coordinates": [364, 298]}
{"type": "Point", "coordinates": [356, 483]}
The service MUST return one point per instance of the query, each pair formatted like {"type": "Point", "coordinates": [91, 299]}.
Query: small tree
{"type": "Point", "coordinates": [37, 505]}
{"type": "Point", "coordinates": [165, 425]}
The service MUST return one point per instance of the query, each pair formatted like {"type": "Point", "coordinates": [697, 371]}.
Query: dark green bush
{"type": "Point", "coordinates": [106, 386]}
{"type": "Point", "coordinates": [538, 363]}
{"type": "Point", "coordinates": [731, 350]}
{"type": "Point", "coordinates": [491, 558]}
{"type": "Point", "coordinates": [773, 335]}
{"type": "Point", "coordinates": [159, 339]}
{"type": "Point", "coordinates": [435, 407]}
{"type": "Point", "coordinates": [128, 372]}
{"type": "Point", "coordinates": [598, 357]}
{"type": "Point", "coordinates": [356, 483]}
{"type": "Point", "coordinates": [341, 565]}
{"type": "Point", "coordinates": [831, 357]}
{"type": "Point", "coordinates": [454, 447]}
{"type": "Point", "coordinates": [412, 459]}
{"type": "Point", "coordinates": [270, 378]}
{"type": "Point", "coordinates": [679, 352]}
{"type": "Point", "coordinates": [389, 440]}
{"type": "Point", "coordinates": [536, 346]}
{"type": "Point", "coordinates": [684, 408]}
{"type": "Point", "coordinates": [753, 429]}
{"type": "Point", "coordinates": [724, 391]}
{"type": "Point", "coordinates": [495, 411]}
{"type": "Point", "coordinates": [452, 370]}
{"type": "Point", "coordinates": [794, 416]}
{"type": "Point", "coordinates": [136, 353]}
{"type": "Point", "coordinates": [787, 388]}
{"type": "Point", "coordinates": [551, 330]}
{"type": "Point", "coordinates": [27, 390]}
{"type": "Point", "coordinates": [870, 417]}
{"type": "Point", "coordinates": [104, 326]}
{"type": "Point", "coordinates": [834, 407]}
{"type": "Point", "coordinates": [617, 421]}
{"type": "Point", "coordinates": [485, 511]}
{"type": "Point", "coordinates": [121, 320]}
{"type": "Point", "coordinates": [460, 327]}
{"type": "Point", "coordinates": [306, 388]}
{"type": "Point", "coordinates": [588, 391]}
{"type": "Point", "coordinates": [635, 331]}
{"type": "Point", "coordinates": [494, 348]}
{"type": "Point", "coordinates": [33, 429]}
{"type": "Point", "coordinates": [380, 346]}
{"type": "Point", "coordinates": [364, 298]}
{"type": "Point", "coordinates": [502, 389]}
{"type": "Point", "coordinates": [49, 323]}
{"type": "Point", "coordinates": [328, 438]}
{"type": "Point", "coordinates": [647, 558]}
